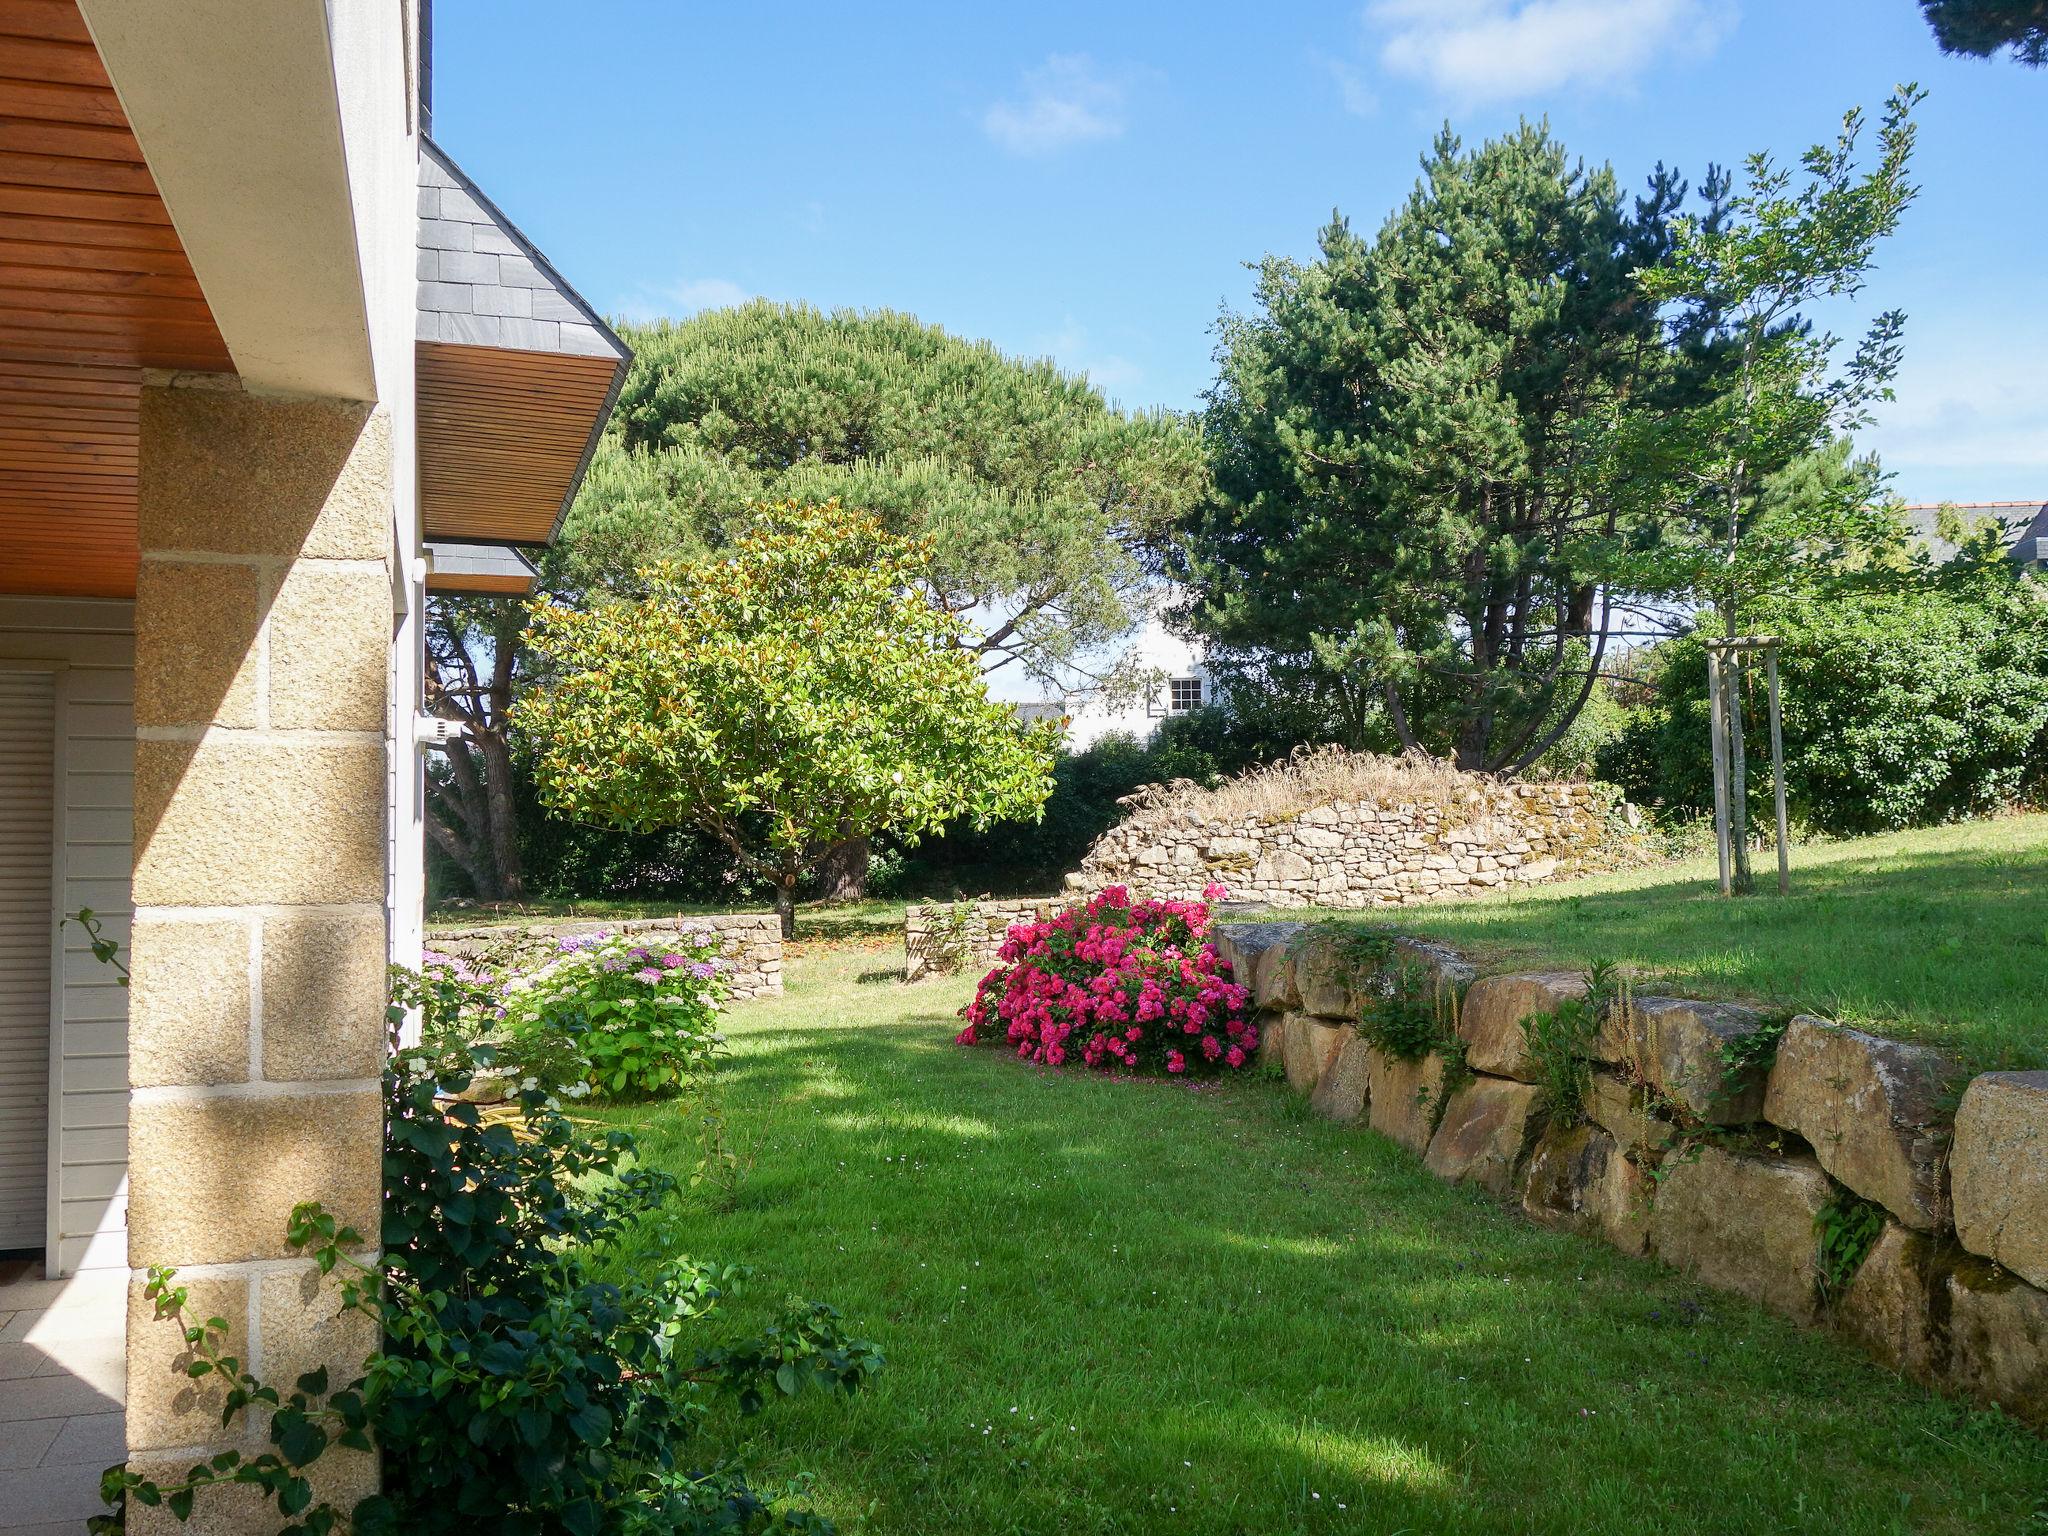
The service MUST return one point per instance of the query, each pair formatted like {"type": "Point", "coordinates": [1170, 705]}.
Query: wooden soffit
{"type": "Point", "coordinates": [94, 288]}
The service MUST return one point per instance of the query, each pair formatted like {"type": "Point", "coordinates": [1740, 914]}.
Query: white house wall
{"type": "Point", "coordinates": [94, 643]}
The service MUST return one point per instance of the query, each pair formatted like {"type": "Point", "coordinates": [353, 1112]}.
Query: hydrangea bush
{"type": "Point", "coordinates": [1119, 985]}
{"type": "Point", "coordinates": [642, 1018]}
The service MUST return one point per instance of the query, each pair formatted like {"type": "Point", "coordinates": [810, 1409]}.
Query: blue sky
{"type": "Point", "coordinates": [1087, 181]}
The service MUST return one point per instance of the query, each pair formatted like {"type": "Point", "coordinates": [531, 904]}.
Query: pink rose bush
{"type": "Point", "coordinates": [1118, 985]}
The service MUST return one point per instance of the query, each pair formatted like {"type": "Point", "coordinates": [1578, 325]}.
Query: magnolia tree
{"type": "Point", "coordinates": [799, 691]}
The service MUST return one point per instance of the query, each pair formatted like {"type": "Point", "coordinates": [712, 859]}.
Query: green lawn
{"type": "Point", "coordinates": [1124, 1306]}
{"type": "Point", "coordinates": [1939, 935]}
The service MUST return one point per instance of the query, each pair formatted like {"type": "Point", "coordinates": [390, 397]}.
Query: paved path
{"type": "Point", "coordinates": [62, 1380]}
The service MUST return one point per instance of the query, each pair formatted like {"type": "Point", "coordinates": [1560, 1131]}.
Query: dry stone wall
{"type": "Point", "coordinates": [1716, 1170]}
{"type": "Point", "coordinates": [943, 937]}
{"type": "Point", "coordinates": [1360, 854]}
{"type": "Point", "coordinates": [750, 944]}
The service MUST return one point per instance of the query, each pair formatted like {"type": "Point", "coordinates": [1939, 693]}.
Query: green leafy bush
{"type": "Point", "coordinates": [516, 1391]}
{"type": "Point", "coordinates": [640, 1021]}
{"type": "Point", "coordinates": [1844, 1230]}
{"type": "Point", "coordinates": [1560, 1043]}
{"type": "Point", "coordinates": [1407, 1012]}
{"type": "Point", "coordinates": [1902, 708]}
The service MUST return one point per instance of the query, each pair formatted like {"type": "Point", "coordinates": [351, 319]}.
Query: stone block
{"type": "Point", "coordinates": [1495, 1009]}
{"type": "Point", "coordinates": [1998, 1171]}
{"type": "Point", "coordinates": [1308, 1045]}
{"type": "Point", "coordinates": [1486, 1130]}
{"type": "Point", "coordinates": [225, 822]}
{"type": "Point", "coordinates": [1872, 1110]}
{"type": "Point", "coordinates": [1621, 1109]}
{"type": "Point", "coordinates": [304, 1326]}
{"type": "Point", "coordinates": [1403, 1098]}
{"type": "Point", "coordinates": [1889, 1305]}
{"type": "Point", "coordinates": [166, 1407]}
{"type": "Point", "coordinates": [1744, 1224]}
{"type": "Point", "coordinates": [342, 1478]}
{"type": "Point", "coordinates": [1271, 1050]}
{"type": "Point", "coordinates": [213, 1180]}
{"type": "Point", "coordinates": [195, 644]}
{"type": "Point", "coordinates": [330, 644]}
{"type": "Point", "coordinates": [1325, 972]}
{"type": "Point", "coordinates": [238, 474]}
{"type": "Point", "coordinates": [1341, 1091]}
{"type": "Point", "coordinates": [188, 997]}
{"type": "Point", "coordinates": [1998, 1339]}
{"type": "Point", "coordinates": [1677, 1043]}
{"type": "Point", "coordinates": [1246, 946]}
{"type": "Point", "coordinates": [323, 995]}
{"type": "Point", "coordinates": [1580, 1179]}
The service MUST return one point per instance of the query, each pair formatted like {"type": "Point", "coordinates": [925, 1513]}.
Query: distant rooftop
{"type": "Point", "coordinates": [2023, 525]}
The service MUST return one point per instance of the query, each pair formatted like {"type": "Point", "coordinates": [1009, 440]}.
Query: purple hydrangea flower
{"type": "Point", "coordinates": [704, 970]}
{"type": "Point", "coordinates": [650, 975]}
{"type": "Point", "coordinates": [671, 962]}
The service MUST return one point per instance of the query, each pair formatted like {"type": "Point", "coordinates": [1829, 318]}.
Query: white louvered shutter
{"type": "Point", "coordinates": [27, 806]}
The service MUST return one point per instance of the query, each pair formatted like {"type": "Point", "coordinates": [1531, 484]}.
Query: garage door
{"type": "Point", "coordinates": [27, 801]}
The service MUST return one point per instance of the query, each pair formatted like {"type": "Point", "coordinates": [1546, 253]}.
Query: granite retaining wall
{"type": "Point", "coordinates": [1700, 1146]}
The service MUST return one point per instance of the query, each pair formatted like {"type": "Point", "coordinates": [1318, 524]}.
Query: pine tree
{"type": "Point", "coordinates": [1982, 28]}
{"type": "Point", "coordinates": [1403, 436]}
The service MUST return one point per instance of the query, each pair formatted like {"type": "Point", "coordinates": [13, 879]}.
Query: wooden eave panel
{"type": "Point", "coordinates": [501, 437]}
{"type": "Point", "coordinates": [94, 287]}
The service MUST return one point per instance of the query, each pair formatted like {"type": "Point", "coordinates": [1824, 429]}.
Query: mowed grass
{"type": "Point", "coordinates": [1135, 1306]}
{"type": "Point", "coordinates": [1937, 935]}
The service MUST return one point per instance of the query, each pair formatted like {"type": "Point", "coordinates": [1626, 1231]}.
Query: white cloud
{"type": "Point", "coordinates": [1358, 97]}
{"type": "Point", "coordinates": [1065, 101]}
{"type": "Point", "coordinates": [1970, 422]}
{"type": "Point", "coordinates": [675, 300]}
{"type": "Point", "coordinates": [1494, 50]}
{"type": "Point", "coordinates": [1071, 348]}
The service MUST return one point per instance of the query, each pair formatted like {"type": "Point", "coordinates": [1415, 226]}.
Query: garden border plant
{"type": "Point", "coordinates": [1141, 975]}
{"type": "Point", "coordinates": [530, 1397]}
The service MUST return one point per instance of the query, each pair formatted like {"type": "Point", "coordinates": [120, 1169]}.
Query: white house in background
{"type": "Point", "coordinates": [1172, 679]}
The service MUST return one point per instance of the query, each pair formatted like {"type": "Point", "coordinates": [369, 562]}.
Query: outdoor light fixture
{"type": "Point", "coordinates": [433, 734]}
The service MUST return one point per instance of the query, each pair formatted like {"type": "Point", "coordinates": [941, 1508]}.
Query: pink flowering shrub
{"type": "Point", "coordinates": [1118, 985]}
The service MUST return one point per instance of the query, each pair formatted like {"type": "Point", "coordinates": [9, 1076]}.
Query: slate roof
{"type": "Point", "coordinates": [482, 283]}
{"type": "Point", "coordinates": [2024, 525]}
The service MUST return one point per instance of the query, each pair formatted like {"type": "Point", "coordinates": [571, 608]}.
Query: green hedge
{"type": "Point", "coordinates": [1902, 708]}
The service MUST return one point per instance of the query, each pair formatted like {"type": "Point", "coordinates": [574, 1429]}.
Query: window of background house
{"type": "Point", "coordinates": [1184, 694]}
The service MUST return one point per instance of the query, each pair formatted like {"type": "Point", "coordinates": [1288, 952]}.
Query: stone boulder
{"type": "Point", "coordinates": [1888, 1307]}
{"type": "Point", "coordinates": [1494, 1010]}
{"type": "Point", "coordinates": [1872, 1111]}
{"type": "Point", "coordinates": [1579, 1180]}
{"type": "Point", "coordinates": [1676, 1045]}
{"type": "Point", "coordinates": [1744, 1224]}
{"type": "Point", "coordinates": [1247, 946]}
{"type": "Point", "coordinates": [1325, 975]}
{"type": "Point", "coordinates": [1998, 1339]}
{"type": "Point", "coordinates": [1308, 1043]}
{"type": "Point", "coordinates": [1342, 1089]}
{"type": "Point", "coordinates": [1485, 1132]}
{"type": "Point", "coordinates": [1402, 1098]}
{"type": "Point", "coordinates": [1998, 1171]}
{"type": "Point", "coordinates": [1451, 969]}
{"type": "Point", "coordinates": [1621, 1109]}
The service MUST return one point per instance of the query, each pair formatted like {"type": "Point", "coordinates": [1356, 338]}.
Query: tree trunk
{"type": "Point", "coordinates": [785, 906]}
{"type": "Point", "coordinates": [843, 871]}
